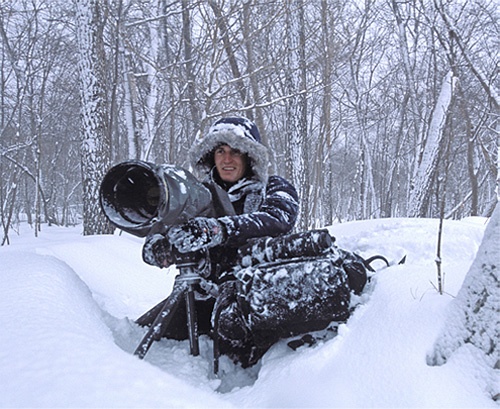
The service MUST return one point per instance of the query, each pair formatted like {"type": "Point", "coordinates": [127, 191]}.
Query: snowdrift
{"type": "Point", "coordinates": [67, 305]}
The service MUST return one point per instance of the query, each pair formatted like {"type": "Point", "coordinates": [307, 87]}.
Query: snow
{"type": "Point", "coordinates": [68, 302]}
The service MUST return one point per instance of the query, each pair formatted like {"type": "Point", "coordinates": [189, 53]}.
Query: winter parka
{"type": "Point", "coordinates": [264, 205]}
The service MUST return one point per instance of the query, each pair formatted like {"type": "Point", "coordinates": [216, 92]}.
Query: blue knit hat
{"type": "Point", "coordinates": [238, 133]}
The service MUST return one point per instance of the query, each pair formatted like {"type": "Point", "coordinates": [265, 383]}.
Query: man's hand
{"type": "Point", "coordinates": [198, 233]}
{"type": "Point", "coordinates": [157, 251]}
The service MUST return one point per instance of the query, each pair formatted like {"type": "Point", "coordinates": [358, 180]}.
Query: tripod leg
{"type": "Point", "coordinates": [148, 317]}
{"type": "Point", "coordinates": [162, 319]}
{"type": "Point", "coordinates": [192, 322]}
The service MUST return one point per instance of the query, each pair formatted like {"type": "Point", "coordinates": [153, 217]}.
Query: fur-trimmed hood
{"type": "Point", "coordinates": [239, 133]}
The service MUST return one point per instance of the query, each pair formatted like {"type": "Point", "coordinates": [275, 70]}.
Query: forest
{"type": "Point", "coordinates": [372, 108]}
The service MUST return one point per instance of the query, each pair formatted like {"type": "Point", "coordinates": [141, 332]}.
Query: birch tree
{"type": "Point", "coordinates": [188, 63]}
{"type": "Point", "coordinates": [422, 179]}
{"type": "Point", "coordinates": [148, 109]}
{"type": "Point", "coordinates": [296, 106]}
{"type": "Point", "coordinates": [94, 133]}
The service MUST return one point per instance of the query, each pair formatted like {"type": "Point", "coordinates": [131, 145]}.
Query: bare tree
{"type": "Point", "coordinates": [425, 171]}
{"type": "Point", "coordinates": [188, 63]}
{"type": "Point", "coordinates": [36, 109]}
{"type": "Point", "coordinates": [473, 322]}
{"type": "Point", "coordinates": [296, 106]}
{"type": "Point", "coordinates": [348, 88]}
{"type": "Point", "coordinates": [94, 132]}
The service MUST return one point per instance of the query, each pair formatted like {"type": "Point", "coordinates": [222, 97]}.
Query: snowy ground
{"type": "Point", "coordinates": [67, 305]}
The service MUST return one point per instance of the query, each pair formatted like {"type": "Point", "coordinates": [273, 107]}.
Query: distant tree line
{"type": "Point", "coordinates": [374, 108]}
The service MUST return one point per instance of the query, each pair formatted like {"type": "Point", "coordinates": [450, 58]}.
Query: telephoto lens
{"type": "Point", "coordinates": [136, 196]}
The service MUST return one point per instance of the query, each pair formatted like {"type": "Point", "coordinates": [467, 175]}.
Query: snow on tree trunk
{"type": "Point", "coordinates": [296, 107]}
{"type": "Point", "coordinates": [369, 204]}
{"type": "Point", "coordinates": [129, 97]}
{"type": "Point", "coordinates": [150, 124]}
{"type": "Point", "coordinates": [95, 144]}
{"type": "Point", "coordinates": [474, 316]}
{"type": "Point", "coordinates": [421, 183]}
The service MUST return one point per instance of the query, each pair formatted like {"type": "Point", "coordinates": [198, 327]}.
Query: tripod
{"type": "Point", "coordinates": [184, 288]}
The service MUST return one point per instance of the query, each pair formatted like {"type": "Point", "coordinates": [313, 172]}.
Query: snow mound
{"type": "Point", "coordinates": [68, 302]}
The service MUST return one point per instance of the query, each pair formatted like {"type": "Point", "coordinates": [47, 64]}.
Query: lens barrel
{"type": "Point", "coordinates": [137, 195]}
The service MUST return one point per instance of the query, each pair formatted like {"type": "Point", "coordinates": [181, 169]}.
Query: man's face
{"type": "Point", "coordinates": [230, 163]}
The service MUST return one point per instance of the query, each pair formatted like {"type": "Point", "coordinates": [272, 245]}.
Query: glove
{"type": "Point", "coordinates": [157, 251]}
{"type": "Point", "coordinates": [198, 233]}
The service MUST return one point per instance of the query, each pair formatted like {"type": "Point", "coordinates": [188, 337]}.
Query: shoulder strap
{"type": "Point", "coordinates": [220, 199]}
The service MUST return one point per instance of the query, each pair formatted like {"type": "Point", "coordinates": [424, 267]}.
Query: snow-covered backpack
{"type": "Point", "coordinates": [282, 287]}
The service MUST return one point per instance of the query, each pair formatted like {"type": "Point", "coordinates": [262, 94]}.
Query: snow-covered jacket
{"type": "Point", "coordinates": [264, 205]}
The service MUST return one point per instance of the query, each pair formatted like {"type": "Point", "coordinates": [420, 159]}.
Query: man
{"type": "Point", "coordinates": [232, 157]}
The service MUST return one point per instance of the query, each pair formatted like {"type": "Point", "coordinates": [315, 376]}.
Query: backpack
{"type": "Point", "coordinates": [283, 287]}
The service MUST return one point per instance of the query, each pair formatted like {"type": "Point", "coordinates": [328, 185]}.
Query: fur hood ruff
{"type": "Point", "coordinates": [237, 137]}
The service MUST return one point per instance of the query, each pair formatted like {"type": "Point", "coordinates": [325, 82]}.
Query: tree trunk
{"type": "Point", "coordinates": [296, 107]}
{"type": "Point", "coordinates": [95, 148]}
{"type": "Point", "coordinates": [149, 125]}
{"type": "Point", "coordinates": [474, 317]}
{"type": "Point", "coordinates": [420, 188]}
{"type": "Point", "coordinates": [188, 58]}
{"type": "Point", "coordinates": [324, 160]}
{"type": "Point", "coordinates": [228, 47]}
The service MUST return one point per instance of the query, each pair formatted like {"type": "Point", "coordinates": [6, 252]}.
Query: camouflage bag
{"type": "Point", "coordinates": [283, 287]}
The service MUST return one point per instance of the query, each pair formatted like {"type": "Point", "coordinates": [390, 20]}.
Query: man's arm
{"type": "Point", "coordinates": [276, 216]}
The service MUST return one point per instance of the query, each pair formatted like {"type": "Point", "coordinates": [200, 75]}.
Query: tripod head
{"type": "Point", "coordinates": [197, 261]}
